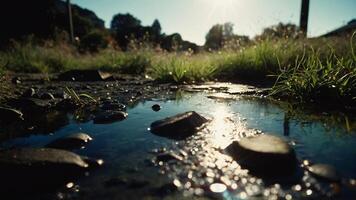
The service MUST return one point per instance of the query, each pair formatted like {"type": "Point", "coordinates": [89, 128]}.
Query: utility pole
{"type": "Point", "coordinates": [304, 15]}
{"type": "Point", "coordinates": [71, 32]}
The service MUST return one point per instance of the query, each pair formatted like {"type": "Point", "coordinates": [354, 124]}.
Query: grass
{"type": "Point", "coordinates": [313, 70]}
{"type": "Point", "coordinates": [320, 78]}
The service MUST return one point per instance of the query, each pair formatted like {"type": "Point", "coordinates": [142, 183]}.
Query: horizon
{"type": "Point", "coordinates": [193, 19]}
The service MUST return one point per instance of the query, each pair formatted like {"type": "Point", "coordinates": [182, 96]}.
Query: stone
{"type": "Point", "coordinates": [166, 157]}
{"type": "Point", "coordinates": [85, 75]}
{"type": "Point", "coordinates": [29, 92]}
{"type": "Point", "coordinates": [324, 171]}
{"type": "Point", "coordinates": [31, 104]}
{"type": "Point", "coordinates": [107, 105]}
{"type": "Point", "coordinates": [73, 141]}
{"type": "Point", "coordinates": [29, 169]}
{"type": "Point", "coordinates": [108, 117]}
{"type": "Point", "coordinates": [264, 155]}
{"type": "Point", "coordinates": [8, 115]}
{"type": "Point", "coordinates": [47, 96]}
{"type": "Point", "coordinates": [16, 80]}
{"type": "Point", "coordinates": [156, 107]}
{"type": "Point", "coordinates": [179, 126]}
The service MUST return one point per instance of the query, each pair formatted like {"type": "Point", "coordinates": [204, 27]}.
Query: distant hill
{"type": "Point", "coordinates": [348, 29]}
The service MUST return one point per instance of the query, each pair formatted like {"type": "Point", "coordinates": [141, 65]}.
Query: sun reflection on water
{"type": "Point", "coordinates": [225, 127]}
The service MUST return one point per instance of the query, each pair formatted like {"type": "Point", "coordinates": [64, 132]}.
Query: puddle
{"type": "Point", "coordinates": [128, 148]}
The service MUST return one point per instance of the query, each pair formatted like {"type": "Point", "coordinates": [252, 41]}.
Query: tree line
{"type": "Point", "coordinates": [48, 19]}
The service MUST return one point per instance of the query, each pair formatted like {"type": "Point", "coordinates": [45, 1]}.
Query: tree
{"type": "Point", "coordinates": [218, 35]}
{"type": "Point", "coordinates": [287, 31]}
{"type": "Point", "coordinates": [156, 27]}
{"type": "Point", "coordinates": [125, 27]}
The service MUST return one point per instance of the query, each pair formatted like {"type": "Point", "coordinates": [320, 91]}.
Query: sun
{"type": "Point", "coordinates": [220, 9]}
{"type": "Point", "coordinates": [221, 3]}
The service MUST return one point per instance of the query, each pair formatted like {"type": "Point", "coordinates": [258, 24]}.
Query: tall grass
{"type": "Point", "coordinates": [183, 68]}
{"type": "Point", "coordinates": [321, 77]}
{"type": "Point", "coordinates": [308, 70]}
{"type": "Point", "coordinates": [28, 57]}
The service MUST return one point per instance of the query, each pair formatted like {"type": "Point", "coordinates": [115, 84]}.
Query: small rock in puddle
{"type": "Point", "coordinates": [73, 141]}
{"type": "Point", "coordinates": [166, 157]}
{"type": "Point", "coordinates": [108, 117]}
{"type": "Point", "coordinates": [264, 155]}
{"type": "Point", "coordinates": [179, 126]}
{"type": "Point", "coordinates": [29, 93]}
{"type": "Point", "coordinates": [324, 171]}
{"type": "Point", "coordinates": [156, 107]}
{"type": "Point", "coordinates": [8, 115]}
{"type": "Point", "coordinates": [35, 168]}
{"type": "Point", "coordinates": [47, 96]}
{"type": "Point", "coordinates": [221, 96]}
{"type": "Point", "coordinates": [85, 75]}
{"type": "Point", "coordinates": [31, 104]}
{"type": "Point", "coordinates": [113, 105]}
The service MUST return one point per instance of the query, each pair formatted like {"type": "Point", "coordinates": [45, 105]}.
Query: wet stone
{"type": "Point", "coordinates": [85, 75]}
{"type": "Point", "coordinates": [166, 157]}
{"type": "Point", "coordinates": [29, 92]}
{"type": "Point", "coordinates": [156, 107]}
{"type": "Point", "coordinates": [8, 115]}
{"type": "Point", "coordinates": [39, 164]}
{"type": "Point", "coordinates": [47, 96]}
{"type": "Point", "coordinates": [31, 104]}
{"type": "Point", "coordinates": [107, 105]}
{"type": "Point", "coordinates": [324, 171]}
{"type": "Point", "coordinates": [16, 80]}
{"type": "Point", "coordinates": [179, 126]}
{"type": "Point", "coordinates": [108, 117]}
{"type": "Point", "coordinates": [73, 141]}
{"type": "Point", "coordinates": [264, 155]}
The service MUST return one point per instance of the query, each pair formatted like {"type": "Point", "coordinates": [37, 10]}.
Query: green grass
{"type": "Point", "coordinates": [313, 70]}
{"type": "Point", "coordinates": [319, 77]}
{"type": "Point", "coordinates": [32, 58]}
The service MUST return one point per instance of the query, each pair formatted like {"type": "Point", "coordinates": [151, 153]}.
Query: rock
{"type": "Point", "coordinates": [29, 93]}
{"type": "Point", "coordinates": [31, 104]}
{"type": "Point", "coordinates": [30, 169]}
{"type": "Point", "coordinates": [73, 141]}
{"type": "Point", "coordinates": [85, 75]}
{"type": "Point", "coordinates": [16, 80]}
{"type": "Point", "coordinates": [108, 117]}
{"type": "Point", "coordinates": [324, 171]}
{"type": "Point", "coordinates": [8, 115]}
{"type": "Point", "coordinates": [156, 107]}
{"type": "Point", "coordinates": [179, 126]}
{"type": "Point", "coordinates": [47, 96]}
{"type": "Point", "coordinates": [166, 157]}
{"type": "Point", "coordinates": [264, 155]}
{"type": "Point", "coordinates": [113, 105]}
{"type": "Point", "coordinates": [40, 162]}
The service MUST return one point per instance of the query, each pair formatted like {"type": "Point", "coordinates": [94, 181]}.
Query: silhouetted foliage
{"type": "Point", "coordinates": [94, 41]}
{"type": "Point", "coordinates": [127, 29]}
{"type": "Point", "coordinates": [222, 35]}
{"type": "Point", "coordinates": [44, 19]}
{"type": "Point", "coordinates": [287, 31]}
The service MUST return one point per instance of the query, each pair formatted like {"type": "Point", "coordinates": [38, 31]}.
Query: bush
{"type": "Point", "coordinates": [93, 42]}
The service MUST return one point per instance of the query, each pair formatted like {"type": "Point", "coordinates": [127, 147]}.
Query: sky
{"type": "Point", "coordinates": [193, 18]}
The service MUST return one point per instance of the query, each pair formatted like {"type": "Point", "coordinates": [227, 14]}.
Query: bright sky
{"type": "Point", "coordinates": [193, 18]}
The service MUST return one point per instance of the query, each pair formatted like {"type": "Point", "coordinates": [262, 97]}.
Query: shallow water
{"type": "Point", "coordinates": [129, 173]}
